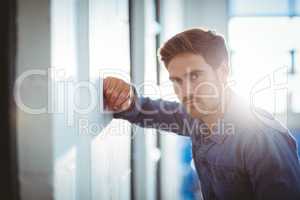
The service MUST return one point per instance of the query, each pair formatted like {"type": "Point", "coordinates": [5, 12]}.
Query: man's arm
{"type": "Point", "coordinates": [123, 99]}
{"type": "Point", "coordinates": [159, 114]}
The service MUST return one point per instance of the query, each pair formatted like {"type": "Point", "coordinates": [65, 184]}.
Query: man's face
{"type": "Point", "coordinates": [198, 86]}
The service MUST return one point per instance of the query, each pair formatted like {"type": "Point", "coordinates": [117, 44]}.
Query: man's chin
{"type": "Point", "coordinates": [196, 114]}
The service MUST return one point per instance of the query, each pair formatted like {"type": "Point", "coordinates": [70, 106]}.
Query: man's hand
{"type": "Point", "coordinates": [118, 94]}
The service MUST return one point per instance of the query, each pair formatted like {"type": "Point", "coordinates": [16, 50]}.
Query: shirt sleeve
{"type": "Point", "coordinates": [160, 114]}
{"type": "Point", "coordinates": [273, 166]}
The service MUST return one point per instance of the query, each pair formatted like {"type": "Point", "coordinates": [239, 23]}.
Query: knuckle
{"type": "Point", "coordinates": [123, 94]}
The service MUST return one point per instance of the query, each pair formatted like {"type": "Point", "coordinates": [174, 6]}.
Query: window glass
{"type": "Point", "coordinates": [297, 7]}
{"type": "Point", "coordinates": [258, 7]}
{"type": "Point", "coordinates": [110, 56]}
{"type": "Point", "coordinates": [261, 59]}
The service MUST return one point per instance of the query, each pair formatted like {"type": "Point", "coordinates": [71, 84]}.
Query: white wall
{"type": "Point", "coordinates": [34, 131]}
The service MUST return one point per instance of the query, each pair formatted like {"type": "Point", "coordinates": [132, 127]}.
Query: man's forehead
{"type": "Point", "coordinates": [181, 71]}
{"type": "Point", "coordinates": [186, 58]}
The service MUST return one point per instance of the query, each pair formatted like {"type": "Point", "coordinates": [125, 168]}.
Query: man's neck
{"type": "Point", "coordinates": [212, 119]}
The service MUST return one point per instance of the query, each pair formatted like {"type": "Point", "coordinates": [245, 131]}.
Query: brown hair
{"type": "Point", "coordinates": [198, 41]}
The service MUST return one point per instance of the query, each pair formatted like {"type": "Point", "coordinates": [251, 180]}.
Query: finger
{"type": "Point", "coordinates": [110, 90]}
{"type": "Point", "coordinates": [126, 104]}
{"type": "Point", "coordinates": [124, 94]}
{"type": "Point", "coordinates": [120, 107]}
{"type": "Point", "coordinates": [107, 85]}
{"type": "Point", "coordinates": [131, 100]}
{"type": "Point", "coordinates": [116, 92]}
{"type": "Point", "coordinates": [125, 97]}
{"type": "Point", "coordinates": [107, 81]}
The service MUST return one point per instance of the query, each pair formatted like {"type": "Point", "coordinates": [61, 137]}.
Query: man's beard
{"type": "Point", "coordinates": [200, 109]}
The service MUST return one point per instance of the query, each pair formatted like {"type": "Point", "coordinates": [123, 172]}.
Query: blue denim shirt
{"type": "Point", "coordinates": [249, 154]}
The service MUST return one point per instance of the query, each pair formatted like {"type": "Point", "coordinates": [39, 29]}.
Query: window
{"type": "Point", "coordinates": [257, 7]}
{"type": "Point", "coordinates": [265, 54]}
{"type": "Point", "coordinates": [90, 38]}
{"type": "Point", "coordinates": [297, 7]}
{"type": "Point", "coordinates": [110, 55]}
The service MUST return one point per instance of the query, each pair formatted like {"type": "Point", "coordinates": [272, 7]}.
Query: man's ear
{"type": "Point", "coordinates": [223, 71]}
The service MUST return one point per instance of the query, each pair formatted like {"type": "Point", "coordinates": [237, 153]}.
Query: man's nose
{"type": "Point", "coordinates": [187, 90]}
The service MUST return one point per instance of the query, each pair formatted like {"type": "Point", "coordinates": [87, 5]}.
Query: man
{"type": "Point", "coordinates": [240, 152]}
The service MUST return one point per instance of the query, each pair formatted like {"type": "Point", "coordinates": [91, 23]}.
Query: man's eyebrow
{"type": "Point", "coordinates": [174, 78]}
{"type": "Point", "coordinates": [193, 71]}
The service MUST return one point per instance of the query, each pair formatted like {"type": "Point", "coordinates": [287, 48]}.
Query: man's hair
{"type": "Point", "coordinates": [197, 41]}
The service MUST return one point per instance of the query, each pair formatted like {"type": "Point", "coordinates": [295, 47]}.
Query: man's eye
{"type": "Point", "coordinates": [178, 82]}
{"type": "Point", "coordinates": [194, 76]}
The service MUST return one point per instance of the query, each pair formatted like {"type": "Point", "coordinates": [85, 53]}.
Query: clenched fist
{"type": "Point", "coordinates": [118, 95]}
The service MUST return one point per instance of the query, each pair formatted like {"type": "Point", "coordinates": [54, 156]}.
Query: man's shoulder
{"type": "Point", "coordinates": [258, 127]}
{"type": "Point", "coordinates": [268, 135]}
{"type": "Point", "coordinates": [268, 121]}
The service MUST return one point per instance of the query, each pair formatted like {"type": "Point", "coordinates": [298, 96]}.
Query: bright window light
{"type": "Point", "coordinates": [261, 59]}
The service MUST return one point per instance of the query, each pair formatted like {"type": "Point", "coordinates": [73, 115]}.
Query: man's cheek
{"type": "Point", "coordinates": [178, 94]}
{"type": "Point", "coordinates": [177, 90]}
{"type": "Point", "coordinates": [205, 94]}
